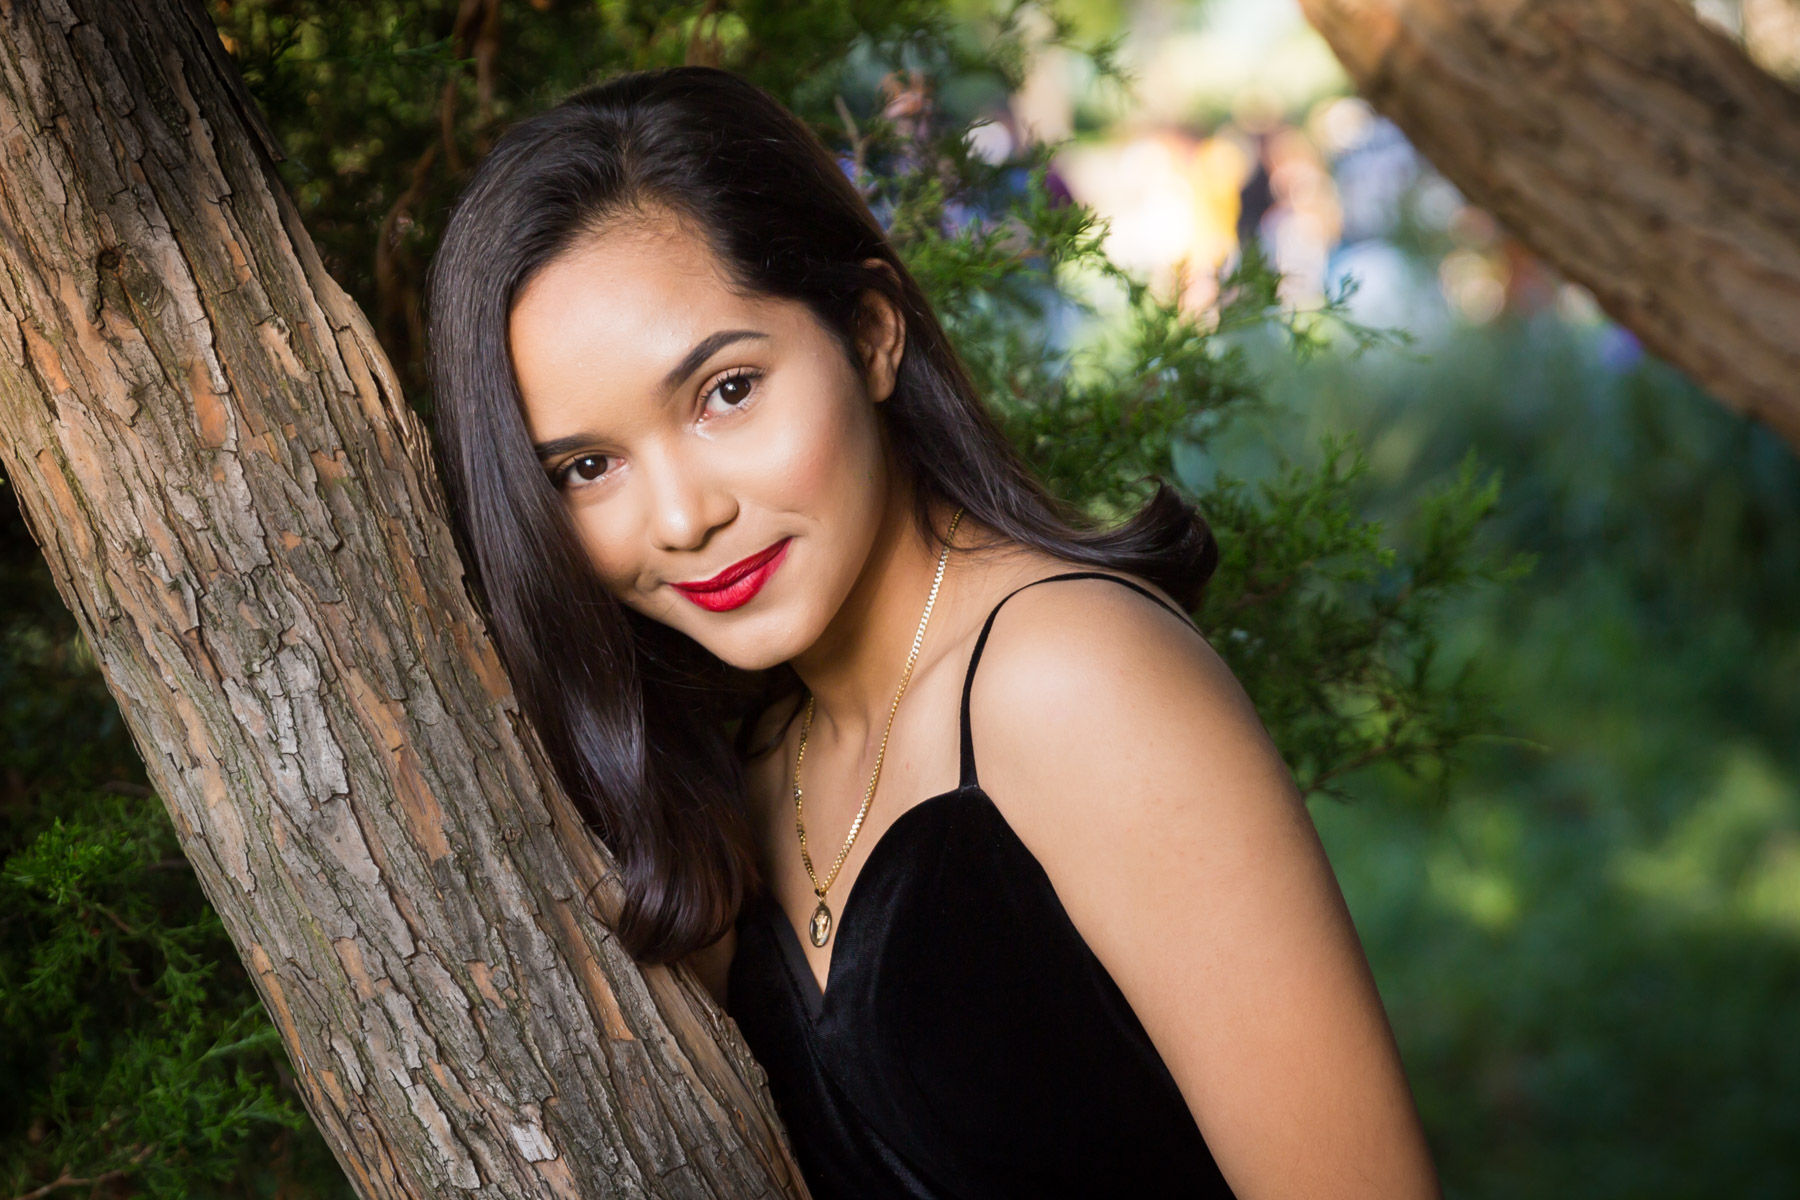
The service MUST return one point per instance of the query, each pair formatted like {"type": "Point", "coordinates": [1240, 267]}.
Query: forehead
{"type": "Point", "coordinates": [607, 318]}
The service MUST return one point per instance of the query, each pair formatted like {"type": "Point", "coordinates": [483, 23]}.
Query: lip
{"type": "Point", "coordinates": [738, 583]}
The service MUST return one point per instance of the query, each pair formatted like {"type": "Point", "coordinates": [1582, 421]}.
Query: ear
{"type": "Point", "coordinates": [881, 339]}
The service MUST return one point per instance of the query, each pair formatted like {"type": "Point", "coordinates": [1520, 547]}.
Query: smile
{"type": "Point", "coordinates": [738, 583]}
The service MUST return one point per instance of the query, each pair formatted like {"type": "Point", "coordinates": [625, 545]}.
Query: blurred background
{"type": "Point", "coordinates": [1580, 897]}
{"type": "Point", "coordinates": [1591, 951]}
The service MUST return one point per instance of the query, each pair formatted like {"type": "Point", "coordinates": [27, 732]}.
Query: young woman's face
{"type": "Point", "coordinates": [719, 454]}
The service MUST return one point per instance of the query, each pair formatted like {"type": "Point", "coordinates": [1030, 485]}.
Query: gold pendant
{"type": "Point", "coordinates": [820, 926]}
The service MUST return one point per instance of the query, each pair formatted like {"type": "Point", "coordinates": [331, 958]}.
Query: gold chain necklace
{"type": "Point", "coordinates": [819, 928]}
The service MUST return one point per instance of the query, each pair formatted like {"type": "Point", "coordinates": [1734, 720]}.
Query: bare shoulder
{"type": "Point", "coordinates": [1105, 725]}
{"type": "Point", "coordinates": [1115, 739]}
{"type": "Point", "coordinates": [1127, 758]}
{"type": "Point", "coordinates": [1092, 668]}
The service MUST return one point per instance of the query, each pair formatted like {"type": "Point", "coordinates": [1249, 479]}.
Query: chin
{"type": "Point", "coordinates": [750, 660]}
{"type": "Point", "coordinates": [761, 644]}
{"type": "Point", "coordinates": [777, 624]}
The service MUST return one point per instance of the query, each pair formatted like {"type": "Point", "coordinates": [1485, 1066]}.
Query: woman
{"type": "Point", "coordinates": [745, 533]}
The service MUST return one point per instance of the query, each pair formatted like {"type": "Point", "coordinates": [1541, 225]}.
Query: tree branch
{"type": "Point", "coordinates": [1634, 148]}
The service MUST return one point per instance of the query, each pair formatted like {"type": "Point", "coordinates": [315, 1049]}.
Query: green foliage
{"type": "Point", "coordinates": [1331, 631]}
{"type": "Point", "coordinates": [1590, 953]}
{"type": "Point", "coordinates": [135, 1049]}
{"type": "Point", "coordinates": [1335, 634]}
{"type": "Point", "coordinates": [382, 108]}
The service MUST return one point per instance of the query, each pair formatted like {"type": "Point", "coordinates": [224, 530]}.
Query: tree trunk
{"type": "Point", "coordinates": [241, 511]}
{"type": "Point", "coordinates": [1635, 149]}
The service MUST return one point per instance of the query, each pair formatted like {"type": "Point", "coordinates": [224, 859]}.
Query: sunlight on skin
{"type": "Point", "coordinates": [772, 436]}
{"type": "Point", "coordinates": [1194, 873]}
{"type": "Point", "coordinates": [1265, 1011]}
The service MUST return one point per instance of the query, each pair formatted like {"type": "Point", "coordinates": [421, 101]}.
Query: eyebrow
{"type": "Point", "coordinates": [690, 362]}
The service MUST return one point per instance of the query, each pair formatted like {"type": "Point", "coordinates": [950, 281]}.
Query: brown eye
{"type": "Point", "coordinates": [737, 391]}
{"type": "Point", "coordinates": [587, 468]}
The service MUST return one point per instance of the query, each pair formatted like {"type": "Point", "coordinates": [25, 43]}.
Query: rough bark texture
{"type": "Point", "coordinates": [240, 509]}
{"type": "Point", "coordinates": [1637, 150]}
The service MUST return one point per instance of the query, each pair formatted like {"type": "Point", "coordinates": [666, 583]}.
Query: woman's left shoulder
{"type": "Point", "coordinates": [1126, 757]}
{"type": "Point", "coordinates": [1084, 670]}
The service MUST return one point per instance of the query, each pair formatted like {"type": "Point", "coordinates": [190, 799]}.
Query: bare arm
{"type": "Point", "coordinates": [1130, 761]}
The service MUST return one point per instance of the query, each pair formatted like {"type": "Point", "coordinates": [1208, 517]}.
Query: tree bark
{"type": "Point", "coordinates": [1634, 148]}
{"type": "Point", "coordinates": [242, 513]}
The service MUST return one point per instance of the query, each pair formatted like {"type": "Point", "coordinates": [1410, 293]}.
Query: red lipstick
{"type": "Point", "coordinates": [736, 584]}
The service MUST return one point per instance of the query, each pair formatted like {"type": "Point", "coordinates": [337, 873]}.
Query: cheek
{"type": "Point", "coordinates": [608, 540]}
{"type": "Point", "coordinates": [822, 460]}
{"type": "Point", "coordinates": [826, 460]}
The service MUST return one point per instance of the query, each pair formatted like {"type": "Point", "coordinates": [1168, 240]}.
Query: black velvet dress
{"type": "Point", "coordinates": [968, 1042]}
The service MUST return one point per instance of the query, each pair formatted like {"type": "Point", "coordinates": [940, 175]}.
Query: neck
{"type": "Point", "coordinates": [854, 668]}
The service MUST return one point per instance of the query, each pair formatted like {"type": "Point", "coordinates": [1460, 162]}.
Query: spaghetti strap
{"type": "Point", "coordinates": [975, 1096]}
{"type": "Point", "coordinates": [967, 779]}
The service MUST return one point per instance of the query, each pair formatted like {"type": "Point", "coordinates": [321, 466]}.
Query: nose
{"type": "Point", "coordinates": [687, 501]}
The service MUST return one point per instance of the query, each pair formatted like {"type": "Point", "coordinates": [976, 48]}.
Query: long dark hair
{"type": "Point", "coordinates": [633, 714]}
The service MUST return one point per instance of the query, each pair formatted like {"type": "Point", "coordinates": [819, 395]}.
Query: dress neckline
{"type": "Point", "coordinates": [794, 954]}
{"type": "Point", "coordinates": [812, 992]}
